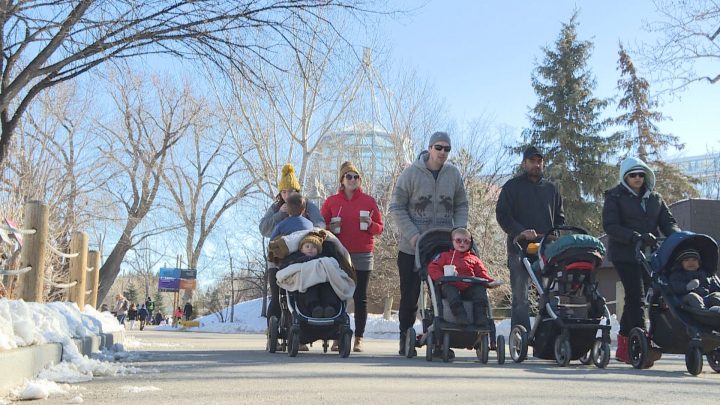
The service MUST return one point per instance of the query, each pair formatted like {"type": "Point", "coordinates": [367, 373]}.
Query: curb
{"type": "Point", "coordinates": [18, 365]}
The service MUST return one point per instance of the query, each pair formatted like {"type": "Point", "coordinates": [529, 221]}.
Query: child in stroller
{"type": "Point", "coordinates": [570, 307]}
{"type": "Point", "coordinates": [313, 291]}
{"type": "Point", "coordinates": [459, 314]}
{"type": "Point", "coordinates": [677, 325]}
{"type": "Point", "coordinates": [692, 284]}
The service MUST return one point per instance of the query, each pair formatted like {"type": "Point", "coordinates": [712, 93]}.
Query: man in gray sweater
{"type": "Point", "coordinates": [429, 194]}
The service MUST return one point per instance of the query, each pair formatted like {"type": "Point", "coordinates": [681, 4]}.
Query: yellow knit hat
{"type": "Point", "coordinates": [288, 180]}
{"type": "Point", "coordinates": [347, 167]}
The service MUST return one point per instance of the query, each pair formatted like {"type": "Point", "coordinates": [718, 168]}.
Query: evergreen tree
{"type": "Point", "coordinates": [641, 136]}
{"type": "Point", "coordinates": [131, 294]}
{"type": "Point", "coordinates": [566, 125]}
{"type": "Point", "coordinates": [159, 303]}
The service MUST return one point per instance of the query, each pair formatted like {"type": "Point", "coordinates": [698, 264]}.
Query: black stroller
{"type": "Point", "coordinates": [296, 326]}
{"type": "Point", "coordinates": [440, 331]}
{"type": "Point", "coordinates": [674, 327]}
{"type": "Point", "coordinates": [570, 307]}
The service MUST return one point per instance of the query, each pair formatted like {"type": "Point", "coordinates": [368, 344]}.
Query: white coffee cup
{"type": "Point", "coordinates": [449, 270]}
{"type": "Point", "coordinates": [335, 225]}
{"type": "Point", "coordinates": [364, 215]}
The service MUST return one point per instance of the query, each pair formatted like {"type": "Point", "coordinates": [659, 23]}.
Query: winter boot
{"type": "Point", "coordinates": [402, 343]}
{"type": "Point", "coordinates": [622, 353]}
{"type": "Point", "coordinates": [335, 346]}
{"type": "Point", "coordinates": [358, 346]}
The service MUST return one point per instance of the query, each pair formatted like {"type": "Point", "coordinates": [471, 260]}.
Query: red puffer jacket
{"type": "Point", "coordinates": [466, 264]}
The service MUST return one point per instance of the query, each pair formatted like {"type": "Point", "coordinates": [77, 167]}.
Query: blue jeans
{"type": "Point", "coordinates": [519, 283]}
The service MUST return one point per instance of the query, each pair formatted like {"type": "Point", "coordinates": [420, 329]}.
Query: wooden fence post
{"type": "Point", "coordinates": [94, 262]}
{"type": "Point", "coordinates": [78, 268]}
{"type": "Point", "coordinates": [32, 283]}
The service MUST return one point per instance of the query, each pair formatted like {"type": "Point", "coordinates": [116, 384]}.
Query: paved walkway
{"type": "Point", "coordinates": [202, 368]}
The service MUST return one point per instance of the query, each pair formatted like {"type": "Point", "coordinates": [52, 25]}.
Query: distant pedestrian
{"type": "Point", "coordinates": [150, 306]}
{"type": "Point", "coordinates": [158, 318]}
{"type": "Point", "coordinates": [121, 308]}
{"type": "Point", "coordinates": [132, 315]}
{"type": "Point", "coordinates": [187, 311]}
{"type": "Point", "coordinates": [178, 316]}
{"type": "Point", "coordinates": [143, 316]}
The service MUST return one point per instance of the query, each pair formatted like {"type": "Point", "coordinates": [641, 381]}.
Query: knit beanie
{"type": "Point", "coordinates": [439, 137]}
{"type": "Point", "coordinates": [347, 167]}
{"type": "Point", "coordinates": [288, 180]}
{"type": "Point", "coordinates": [314, 239]}
{"type": "Point", "coordinates": [687, 254]}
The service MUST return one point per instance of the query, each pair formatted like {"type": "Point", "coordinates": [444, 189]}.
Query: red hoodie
{"type": "Point", "coordinates": [466, 264]}
{"type": "Point", "coordinates": [354, 240]}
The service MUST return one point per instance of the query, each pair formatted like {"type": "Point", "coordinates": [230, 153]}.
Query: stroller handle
{"type": "Point", "coordinates": [462, 279]}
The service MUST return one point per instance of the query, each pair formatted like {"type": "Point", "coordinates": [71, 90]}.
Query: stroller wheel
{"type": "Point", "coordinates": [638, 348]}
{"type": "Point", "coordinates": [518, 343]}
{"type": "Point", "coordinates": [713, 359]}
{"type": "Point", "coordinates": [346, 343]}
{"type": "Point", "coordinates": [563, 351]}
{"type": "Point", "coordinates": [501, 349]}
{"type": "Point", "coordinates": [273, 326]}
{"type": "Point", "coordinates": [446, 347]}
{"type": "Point", "coordinates": [429, 344]}
{"type": "Point", "coordinates": [483, 349]}
{"type": "Point", "coordinates": [410, 340]}
{"type": "Point", "coordinates": [600, 353]}
{"type": "Point", "coordinates": [294, 342]}
{"type": "Point", "coordinates": [693, 360]}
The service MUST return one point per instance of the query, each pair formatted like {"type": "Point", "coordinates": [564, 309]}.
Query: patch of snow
{"type": "Point", "coordinates": [137, 390]}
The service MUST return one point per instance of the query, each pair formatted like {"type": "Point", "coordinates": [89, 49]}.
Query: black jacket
{"type": "Point", "coordinates": [524, 204]}
{"type": "Point", "coordinates": [679, 279]}
{"type": "Point", "coordinates": [623, 216]}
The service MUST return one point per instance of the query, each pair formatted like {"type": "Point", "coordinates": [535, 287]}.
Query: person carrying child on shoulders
{"type": "Point", "coordinates": [466, 264]}
{"type": "Point", "coordinates": [692, 283]}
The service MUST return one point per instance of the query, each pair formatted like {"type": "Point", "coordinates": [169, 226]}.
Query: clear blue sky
{"type": "Point", "coordinates": [480, 54]}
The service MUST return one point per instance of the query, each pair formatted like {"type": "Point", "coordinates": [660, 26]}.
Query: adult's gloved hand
{"type": "Point", "coordinates": [692, 284]}
{"type": "Point", "coordinates": [636, 237]}
{"type": "Point", "coordinates": [648, 239]}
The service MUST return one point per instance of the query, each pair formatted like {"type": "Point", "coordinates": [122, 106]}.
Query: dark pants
{"type": "Point", "coordinates": [475, 293]}
{"type": "Point", "coordinates": [360, 299]}
{"type": "Point", "coordinates": [634, 280]}
{"type": "Point", "coordinates": [274, 305]}
{"type": "Point", "coordinates": [409, 291]}
{"type": "Point", "coordinates": [519, 284]}
{"type": "Point", "coordinates": [321, 295]}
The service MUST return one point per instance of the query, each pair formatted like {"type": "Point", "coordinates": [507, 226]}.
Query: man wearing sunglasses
{"type": "Point", "coordinates": [528, 206]}
{"type": "Point", "coordinates": [633, 212]}
{"type": "Point", "coordinates": [430, 193]}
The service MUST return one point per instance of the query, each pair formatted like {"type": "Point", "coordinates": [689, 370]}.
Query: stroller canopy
{"type": "Point", "coordinates": [576, 242]}
{"type": "Point", "coordinates": [664, 258]}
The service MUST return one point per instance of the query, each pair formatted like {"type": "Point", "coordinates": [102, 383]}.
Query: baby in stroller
{"type": "Point", "coordinates": [692, 284]}
{"type": "Point", "coordinates": [316, 278]}
{"type": "Point", "coordinates": [461, 261]}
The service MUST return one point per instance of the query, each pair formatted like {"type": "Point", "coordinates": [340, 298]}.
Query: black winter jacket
{"type": "Point", "coordinates": [623, 216]}
{"type": "Point", "coordinates": [524, 204]}
{"type": "Point", "coordinates": [680, 278]}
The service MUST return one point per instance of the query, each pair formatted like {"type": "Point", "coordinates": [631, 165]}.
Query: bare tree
{"type": "Point", "coordinates": [152, 120]}
{"type": "Point", "coordinates": [46, 43]}
{"type": "Point", "coordinates": [688, 50]}
{"type": "Point", "coordinates": [206, 179]}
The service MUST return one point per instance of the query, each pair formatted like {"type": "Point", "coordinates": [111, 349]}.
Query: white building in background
{"type": "Point", "coordinates": [375, 152]}
{"type": "Point", "coordinates": [706, 168]}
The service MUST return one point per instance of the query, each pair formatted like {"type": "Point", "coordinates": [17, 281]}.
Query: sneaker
{"type": "Point", "coordinates": [303, 348]}
{"type": "Point", "coordinates": [317, 312]}
{"type": "Point", "coordinates": [329, 312]}
{"type": "Point", "coordinates": [335, 346]}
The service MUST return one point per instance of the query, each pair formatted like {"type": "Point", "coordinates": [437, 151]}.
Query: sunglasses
{"type": "Point", "coordinates": [462, 240]}
{"type": "Point", "coordinates": [441, 147]}
{"type": "Point", "coordinates": [349, 176]}
{"type": "Point", "coordinates": [633, 175]}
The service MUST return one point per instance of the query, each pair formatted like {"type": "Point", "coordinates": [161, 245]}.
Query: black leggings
{"type": "Point", "coordinates": [274, 305]}
{"type": "Point", "coordinates": [635, 281]}
{"type": "Point", "coordinates": [360, 298]}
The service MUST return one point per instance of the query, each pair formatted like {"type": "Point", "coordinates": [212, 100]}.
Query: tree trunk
{"type": "Point", "coordinates": [111, 267]}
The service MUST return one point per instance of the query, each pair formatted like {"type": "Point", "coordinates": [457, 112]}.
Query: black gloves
{"type": "Point", "coordinates": [648, 239]}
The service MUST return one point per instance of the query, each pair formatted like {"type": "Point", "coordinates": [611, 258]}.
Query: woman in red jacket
{"type": "Point", "coordinates": [354, 218]}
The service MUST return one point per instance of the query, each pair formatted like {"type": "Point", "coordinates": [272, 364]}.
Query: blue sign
{"type": "Point", "coordinates": [169, 272]}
